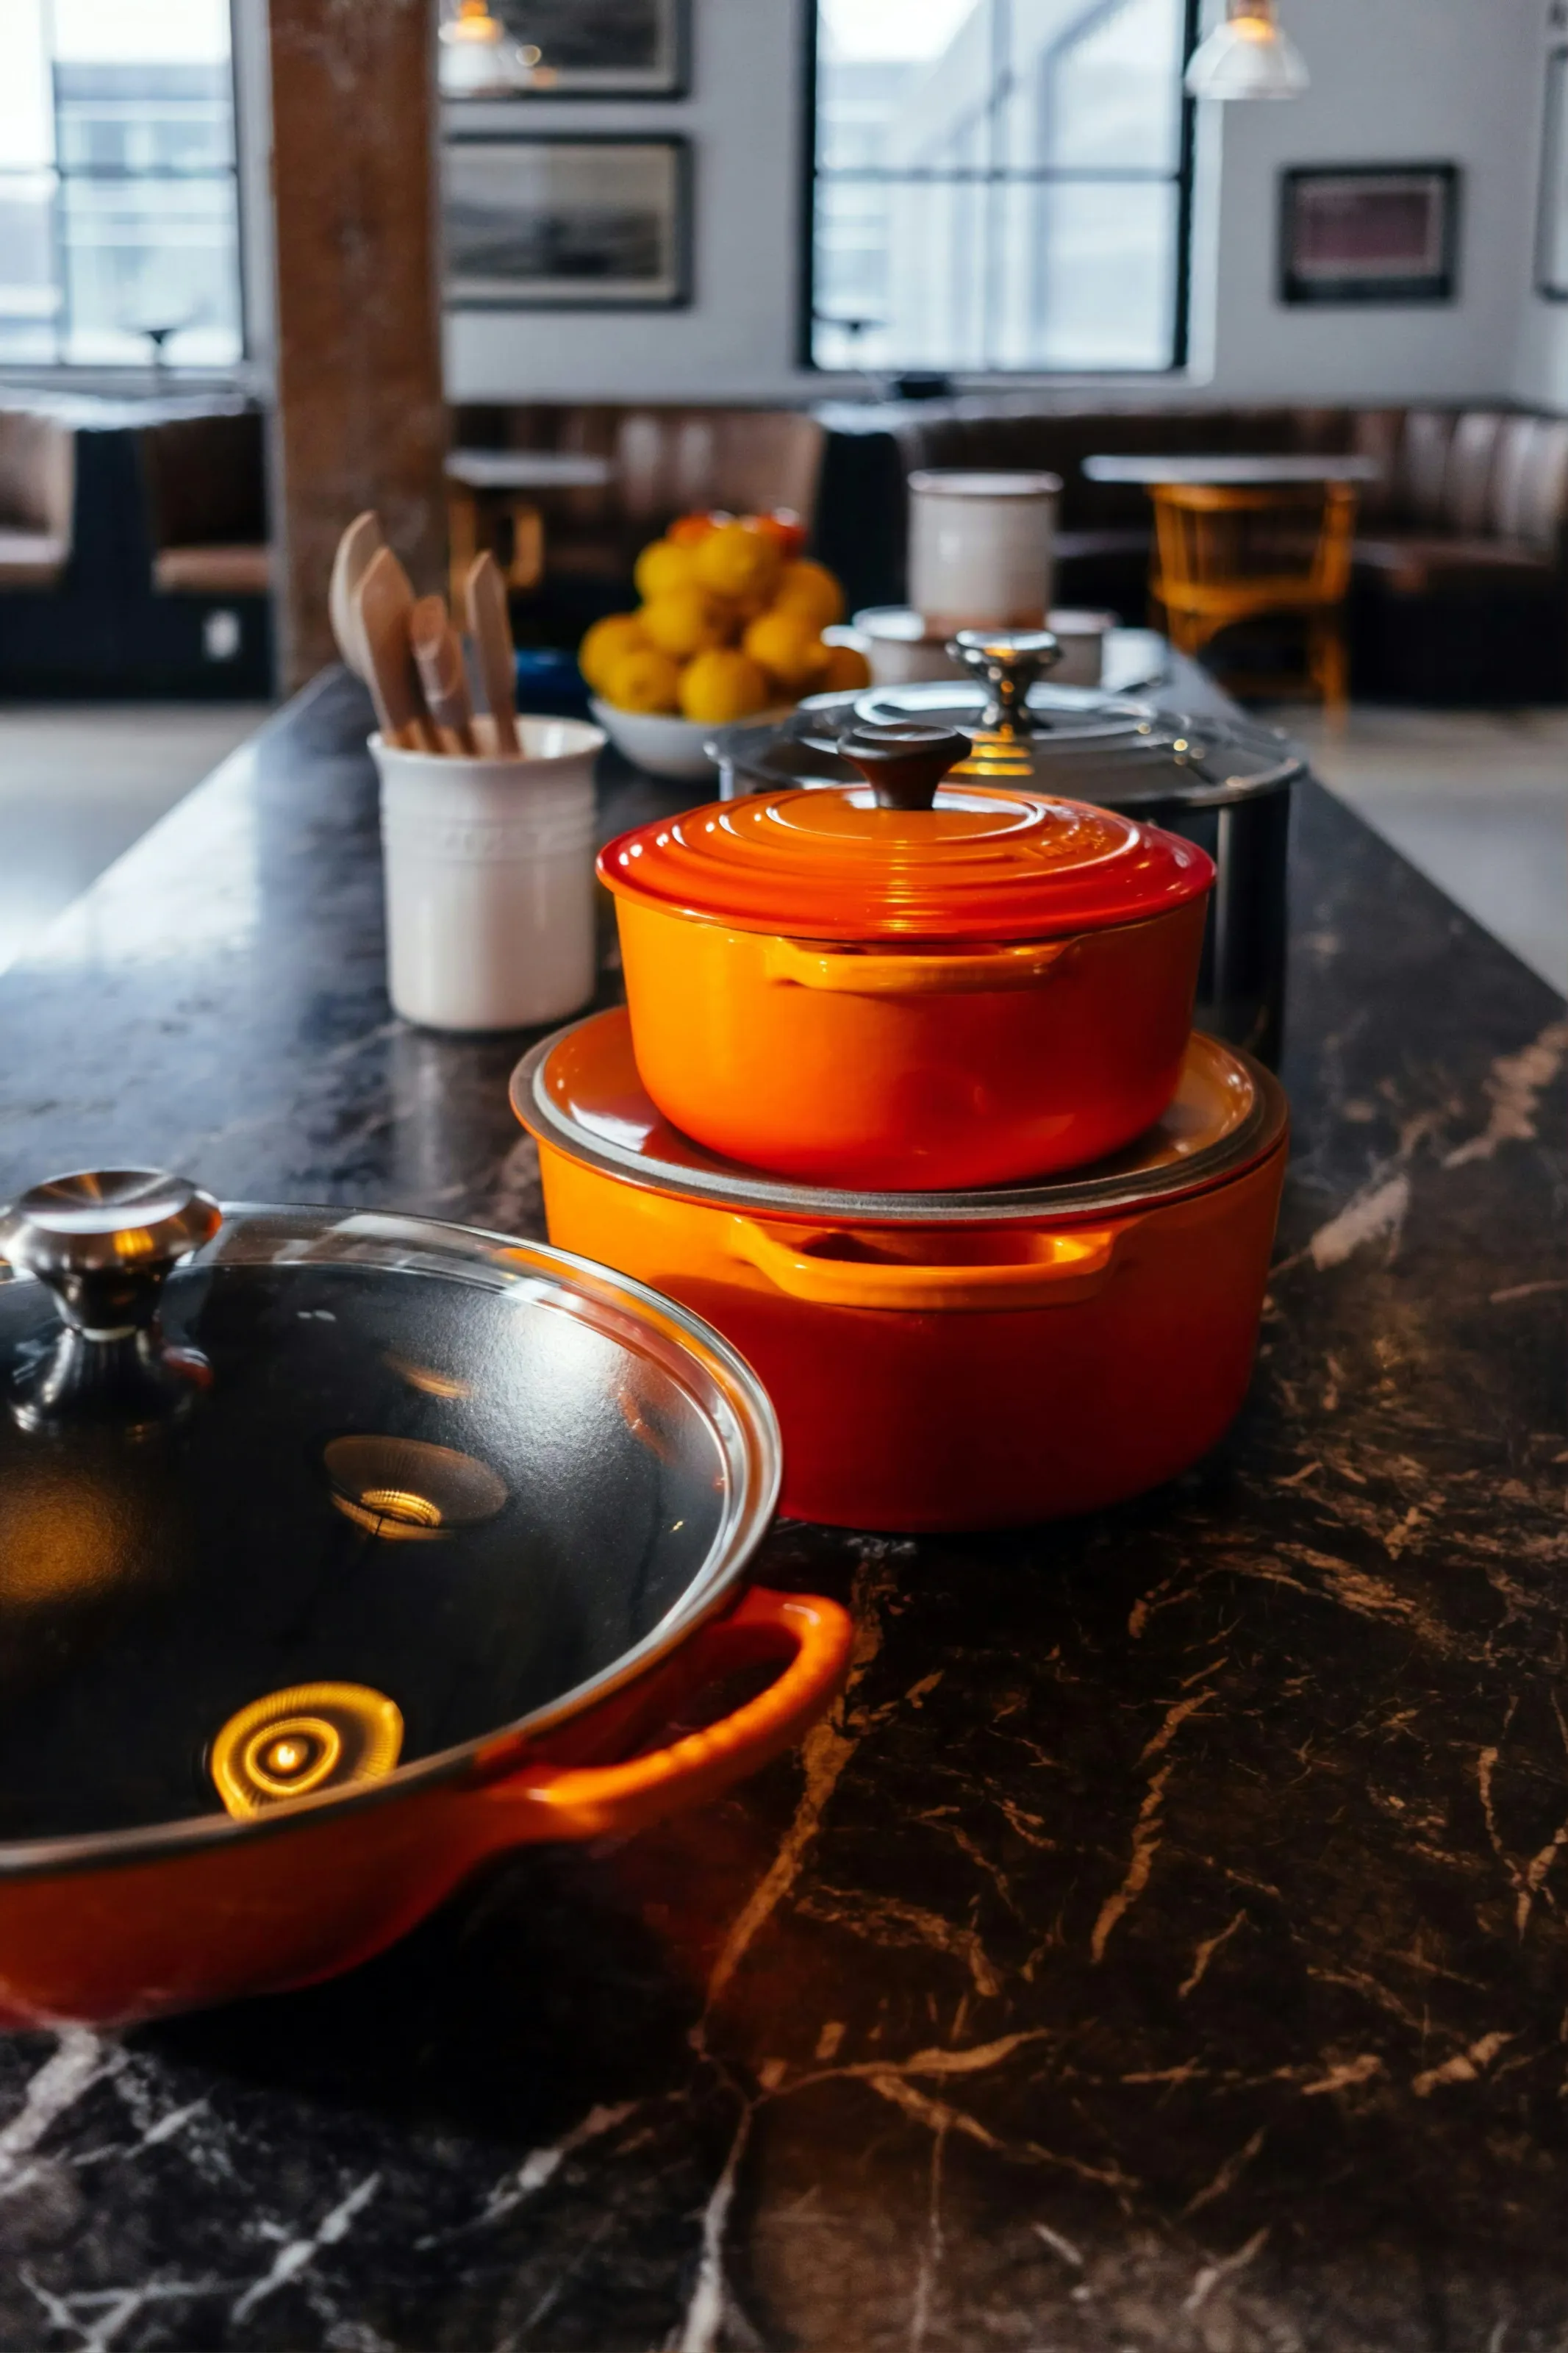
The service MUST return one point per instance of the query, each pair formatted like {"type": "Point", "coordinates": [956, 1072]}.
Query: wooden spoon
{"type": "Point", "coordinates": [358, 544]}
{"type": "Point", "coordinates": [381, 604]}
{"type": "Point", "coordinates": [438, 658]}
{"type": "Point", "coordinates": [489, 626]}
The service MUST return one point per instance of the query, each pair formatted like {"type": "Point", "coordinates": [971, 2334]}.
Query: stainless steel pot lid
{"type": "Point", "coordinates": [579, 1091]}
{"type": "Point", "coordinates": [295, 1500]}
{"type": "Point", "coordinates": [1118, 751]}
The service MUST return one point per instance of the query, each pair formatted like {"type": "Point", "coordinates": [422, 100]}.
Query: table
{"type": "Point", "coordinates": [1164, 1949]}
{"type": "Point", "coordinates": [502, 477]}
{"type": "Point", "coordinates": [1234, 471]}
{"type": "Point", "coordinates": [528, 469]}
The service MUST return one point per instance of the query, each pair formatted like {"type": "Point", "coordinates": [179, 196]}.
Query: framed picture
{"type": "Point", "coordinates": [1551, 200]}
{"type": "Point", "coordinates": [1375, 233]}
{"type": "Point", "coordinates": [603, 48]}
{"type": "Point", "coordinates": [558, 223]}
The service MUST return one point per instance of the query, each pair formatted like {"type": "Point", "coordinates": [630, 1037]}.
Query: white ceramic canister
{"type": "Point", "coordinates": [488, 868]}
{"type": "Point", "coordinates": [981, 548]}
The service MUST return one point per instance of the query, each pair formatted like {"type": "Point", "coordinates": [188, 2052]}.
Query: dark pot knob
{"type": "Point", "coordinates": [1009, 660]}
{"type": "Point", "coordinates": [103, 1242]}
{"type": "Point", "coordinates": [904, 761]}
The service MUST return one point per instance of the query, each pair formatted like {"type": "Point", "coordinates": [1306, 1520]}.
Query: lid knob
{"type": "Point", "coordinates": [904, 761]}
{"type": "Point", "coordinates": [103, 1241]}
{"type": "Point", "coordinates": [1009, 660]}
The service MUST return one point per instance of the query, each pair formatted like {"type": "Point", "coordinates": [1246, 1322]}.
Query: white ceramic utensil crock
{"type": "Point", "coordinates": [489, 880]}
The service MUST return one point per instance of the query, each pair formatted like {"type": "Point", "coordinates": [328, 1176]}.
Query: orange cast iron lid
{"type": "Point", "coordinates": [980, 863]}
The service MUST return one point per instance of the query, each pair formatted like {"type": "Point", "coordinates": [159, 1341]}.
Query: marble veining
{"type": "Point", "coordinates": [1163, 1946]}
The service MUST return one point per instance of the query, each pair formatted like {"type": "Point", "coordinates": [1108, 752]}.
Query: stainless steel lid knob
{"type": "Point", "coordinates": [104, 1241]}
{"type": "Point", "coordinates": [1009, 660]}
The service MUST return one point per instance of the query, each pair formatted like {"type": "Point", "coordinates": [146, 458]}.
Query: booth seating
{"type": "Point", "coordinates": [661, 462]}
{"type": "Point", "coordinates": [38, 484]}
{"type": "Point", "coordinates": [206, 506]}
{"type": "Point", "coordinates": [1460, 576]}
{"type": "Point", "coordinates": [133, 557]}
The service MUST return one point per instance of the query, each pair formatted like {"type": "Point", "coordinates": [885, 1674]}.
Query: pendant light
{"type": "Point", "coordinates": [1248, 57]}
{"type": "Point", "coordinates": [479, 59]}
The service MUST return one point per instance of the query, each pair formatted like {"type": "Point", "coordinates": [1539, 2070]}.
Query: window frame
{"type": "Point", "coordinates": [199, 371]}
{"type": "Point", "coordinates": [1182, 179]}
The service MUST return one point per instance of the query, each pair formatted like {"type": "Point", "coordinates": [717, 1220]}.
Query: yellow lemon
{"type": "Point", "coordinates": [810, 589]}
{"type": "Point", "coordinates": [643, 680]}
{"type": "Point", "coordinates": [606, 641]}
{"type": "Point", "coordinates": [682, 622]}
{"type": "Point", "coordinates": [787, 647]}
{"type": "Point", "coordinates": [736, 561]}
{"type": "Point", "coordinates": [722, 685]}
{"type": "Point", "coordinates": [845, 667]}
{"type": "Point", "coordinates": [662, 566]}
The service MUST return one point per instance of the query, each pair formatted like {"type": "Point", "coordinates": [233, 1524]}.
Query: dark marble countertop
{"type": "Point", "coordinates": [1165, 1946]}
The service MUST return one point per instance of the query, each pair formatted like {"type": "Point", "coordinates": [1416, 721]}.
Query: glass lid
{"type": "Point", "coordinates": [1118, 753]}
{"type": "Point", "coordinates": [910, 853]}
{"type": "Point", "coordinates": [578, 1091]}
{"type": "Point", "coordinates": [293, 1500]}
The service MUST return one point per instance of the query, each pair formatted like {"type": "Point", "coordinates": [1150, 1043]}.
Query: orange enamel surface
{"type": "Point", "coordinates": [301, 1897]}
{"type": "Point", "coordinates": [946, 1089]}
{"type": "Point", "coordinates": [966, 1417]}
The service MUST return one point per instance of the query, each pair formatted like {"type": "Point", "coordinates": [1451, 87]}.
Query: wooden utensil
{"type": "Point", "coordinates": [381, 604]}
{"type": "Point", "coordinates": [489, 626]}
{"type": "Point", "coordinates": [438, 659]}
{"type": "Point", "coordinates": [360, 542]}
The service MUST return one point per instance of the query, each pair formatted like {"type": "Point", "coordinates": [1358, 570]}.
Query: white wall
{"type": "Point", "coordinates": [737, 341]}
{"type": "Point", "coordinates": [1540, 374]}
{"type": "Point", "coordinates": [1393, 80]}
{"type": "Point", "coordinates": [253, 129]}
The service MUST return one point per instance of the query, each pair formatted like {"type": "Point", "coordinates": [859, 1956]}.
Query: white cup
{"type": "Point", "coordinates": [981, 548]}
{"type": "Point", "coordinates": [489, 867]}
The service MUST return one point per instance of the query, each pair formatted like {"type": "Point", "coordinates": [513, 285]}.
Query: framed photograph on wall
{"type": "Point", "coordinates": [603, 48]}
{"type": "Point", "coordinates": [1371, 233]}
{"type": "Point", "coordinates": [560, 223]}
{"type": "Point", "coordinates": [1552, 199]}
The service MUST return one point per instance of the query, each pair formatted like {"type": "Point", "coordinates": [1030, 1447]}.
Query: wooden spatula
{"type": "Point", "coordinates": [438, 658]}
{"type": "Point", "coordinates": [381, 604]}
{"type": "Point", "coordinates": [358, 544]}
{"type": "Point", "coordinates": [489, 626]}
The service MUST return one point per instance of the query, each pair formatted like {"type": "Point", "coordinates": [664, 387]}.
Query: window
{"type": "Point", "coordinates": [1000, 185]}
{"type": "Point", "coordinates": [119, 201]}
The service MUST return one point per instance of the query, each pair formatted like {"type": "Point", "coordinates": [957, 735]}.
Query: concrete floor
{"type": "Point", "coordinates": [79, 783]}
{"type": "Point", "coordinates": [1478, 800]}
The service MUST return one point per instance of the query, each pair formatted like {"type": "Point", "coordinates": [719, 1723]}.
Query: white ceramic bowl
{"type": "Point", "coordinates": [665, 746]}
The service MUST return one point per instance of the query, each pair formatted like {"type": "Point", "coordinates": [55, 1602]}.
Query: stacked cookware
{"type": "Point", "coordinates": [906, 1102]}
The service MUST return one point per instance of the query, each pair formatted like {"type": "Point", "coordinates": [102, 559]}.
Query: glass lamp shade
{"type": "Point", "coordinates": [1248, 57]}
{"type": "Point", "coordinates": [478, 58]}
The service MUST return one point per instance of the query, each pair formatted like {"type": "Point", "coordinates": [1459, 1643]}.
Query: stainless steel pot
{"type": "Point", "coordinates": [1224, 783]}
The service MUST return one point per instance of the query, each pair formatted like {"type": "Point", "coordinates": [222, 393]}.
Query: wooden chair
{"type": "Point", "coordinates": [1224, 558]}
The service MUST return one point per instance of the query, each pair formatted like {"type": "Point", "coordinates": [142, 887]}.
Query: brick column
{"type": "Point", "coordinates": [361, 418]}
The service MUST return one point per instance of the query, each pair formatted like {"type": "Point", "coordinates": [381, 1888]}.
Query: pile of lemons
{"type": "Point", "coordinates": [730, 623]}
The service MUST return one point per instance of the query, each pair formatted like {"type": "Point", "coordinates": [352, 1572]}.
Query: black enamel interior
{"type": "Point", "coordinates": [153, 1581]}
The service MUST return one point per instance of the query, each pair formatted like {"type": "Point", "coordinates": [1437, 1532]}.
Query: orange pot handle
{"type": "Point", "coordinates": [577, 1801]}
{"type": "Point", "coordinates": [967, 972]}
{"type": "Point", "coordinates": [1074, 1265]}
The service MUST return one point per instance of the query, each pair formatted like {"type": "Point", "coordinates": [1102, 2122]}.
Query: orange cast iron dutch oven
{"type": "Point", "coordinates": [336, 1560]}
{"type": "Point", "coordinates": [945, 1360]}
{"type": "Point", "coordinates": [891, 985]}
